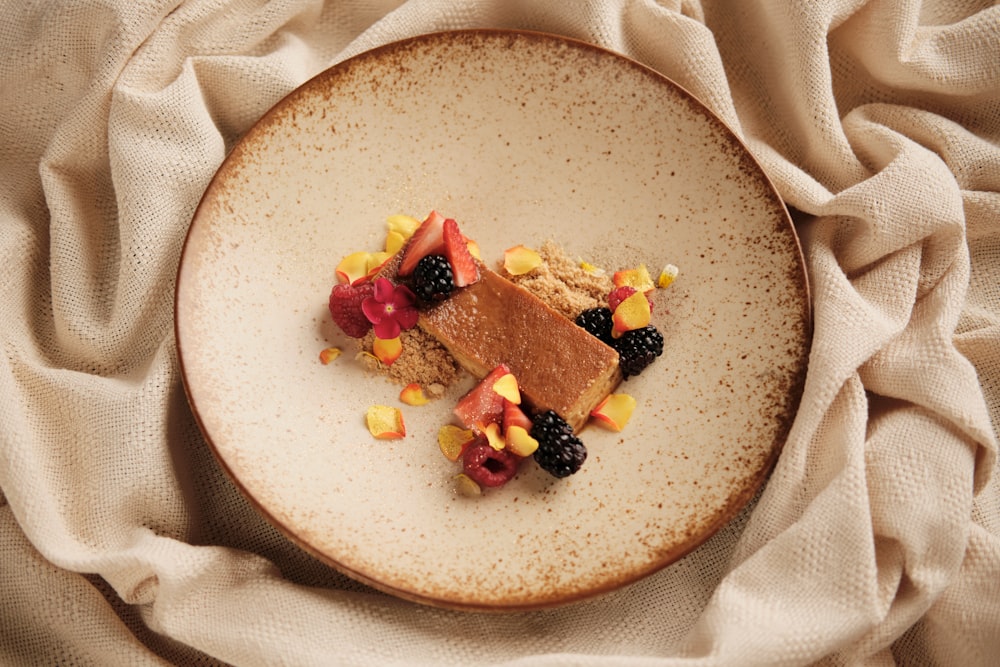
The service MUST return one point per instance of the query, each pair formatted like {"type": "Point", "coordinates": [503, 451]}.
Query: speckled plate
{"type": "Point", "coordinates": [521, 137]}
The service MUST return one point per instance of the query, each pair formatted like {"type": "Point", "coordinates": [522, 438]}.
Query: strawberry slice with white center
{"type": "Point", "coordinates": [513, 415]}
{"type": "Point", "coordinates": [456, 249]}
{"type": "Point", "coordinates": [481, 405]}
{"type": "Point", "coordinates": [428, 239]}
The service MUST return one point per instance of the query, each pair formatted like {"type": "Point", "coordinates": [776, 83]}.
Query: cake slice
{"type": "Point", "coordinates": [558, 365]}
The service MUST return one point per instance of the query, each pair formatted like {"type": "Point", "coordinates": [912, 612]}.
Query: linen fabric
{"type": "Point", "coordinates": [876, 540]}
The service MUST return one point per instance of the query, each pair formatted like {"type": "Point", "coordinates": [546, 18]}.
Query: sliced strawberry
{"type": "Point", "coordinates": [513, 415]}
{"type": "Point", "coordinates": [456, 249]}
{"type": "Point", "coordinates": [481, 405]}
{"type": "Point", "coordinates": [426, 240]}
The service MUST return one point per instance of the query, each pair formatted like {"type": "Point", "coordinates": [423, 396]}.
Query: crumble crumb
{"type": "Point", "coordinates": [562, 283]}
{"type": "Point", "coordinates": [424, 361]}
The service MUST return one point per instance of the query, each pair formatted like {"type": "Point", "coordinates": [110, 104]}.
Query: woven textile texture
{"type": "Point", "coordinates": [876, 540]}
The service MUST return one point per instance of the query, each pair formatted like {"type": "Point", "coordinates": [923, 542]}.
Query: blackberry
{"type": "Point", "coordinates": [638, 349]}
{"type": "Point", "coordinates": [433, 279]}
{"type": "Point", "coordinates": [597, 322]}
{"type": "Point", "coordinates": [560, 452]}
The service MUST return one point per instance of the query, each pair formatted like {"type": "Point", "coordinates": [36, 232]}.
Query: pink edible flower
{"type": "Point", "coordinates": [390, 308]}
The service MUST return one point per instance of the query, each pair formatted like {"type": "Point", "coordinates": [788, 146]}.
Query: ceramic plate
{"type": "Point", "coordinates": [521, 137]}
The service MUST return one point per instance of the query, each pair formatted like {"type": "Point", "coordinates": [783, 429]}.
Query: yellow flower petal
{"type": "Point", "coordinates": [385, 422]}
{"type": "Point", "coordinates": [375, 262]}
{"type": "Point", "coordinates": [614, 411]}
{"type": "Point", "coordinates": [387, 350]}
{"type": "Point", "coordinates": [493, 436]}
{"type": "Point", "coordinates": [353, 267]}
{"type": "Point", "coordinates": [667, 276]}
{"type": "Point", "coordinates": [638, 278]}
{"type": "Point", "coordinates": [590, 268]}
{"type": "Point", "coordinates": [506, 386]}
{"type": "Point", "coordinates": [520, 260]}
{"type": "Point", "coordinates": [404, 225]}
{"type": "Point", "coordinates": [394, 241]}
{"type": "Point", "coordinates": [632, 313]}
{"type": "Point", "coordinates": [452, 440]}
{"type": "Point", "coordinates": [520, 441]}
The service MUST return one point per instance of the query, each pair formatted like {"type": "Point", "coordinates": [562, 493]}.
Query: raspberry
{"type": "Point", "coordinates": [619, 294]}
{"type": "Point", "coordinates": [487, 466]}
{"type": "Point", "coordinates": [433, 279]}
{"type": "Point", "coordinates": [597, 322]}
{"type": "Point", "coordinates": [638, 349]}
{"type": "Point", "coordinates": [560, 452]}
{"type": "Point", "coordinates": [345, 308]}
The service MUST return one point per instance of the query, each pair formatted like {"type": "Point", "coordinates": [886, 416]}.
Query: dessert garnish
{"type": "Point", "coordinates": [542, 374]}
{"type": "Point", "coordinates": [387, 350]}
{"type": "Point", "coordinates": [390, 308]}
{"type": "Point", "coordinates": [488, 466]}
{"type": "Point", "coordinates": [413, 394]}
{"type": "Point", "coordinates": [614, 411]}
{"type": "Point", "coordinates": [328, 354]}
{"type": "Point", "coordinates": [520, 259]}
{"type": "Point", "coordinates": [560, 452]}
{"type": "Point", "coordinates": [636, 348]}
{"type": "Point", "coordinates": [385, 422]}
{"type": "Point", "coordinates": [345, 307]}
{"type": "Point", "coordinates": [453, 440]}
{"type": "Point", "coordinates": [433, 279]}
{"type": "Point", "coordinates": [667, 276]}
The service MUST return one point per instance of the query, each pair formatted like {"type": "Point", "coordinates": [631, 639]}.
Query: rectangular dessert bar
{"type": "Point", "coordinates": [558, 365]}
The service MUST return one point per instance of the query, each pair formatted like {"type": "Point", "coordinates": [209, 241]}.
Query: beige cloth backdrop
{"type": "Point", "coordinates": [877, 539]}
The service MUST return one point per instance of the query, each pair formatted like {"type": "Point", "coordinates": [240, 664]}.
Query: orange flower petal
{"type": "Point", "coordinates": [413, 394]}
{"type": "Point", "coordinates": [632, 313]}
{"type": "Point", "coordinates": [387, 350]}
{"type": "Point", "coordinates": [329, 354]}
{"type": "Point", "coordinates": [638, 278]}
{"type": "Point", "coordinates": [614, 411]}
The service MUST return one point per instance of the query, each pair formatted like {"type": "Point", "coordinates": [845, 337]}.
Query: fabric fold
{"type": "Point", "coordinates": [877, 537]}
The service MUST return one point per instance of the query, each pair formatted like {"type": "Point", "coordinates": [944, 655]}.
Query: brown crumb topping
{"type": "Point", "coordinates": [424, 360]}
{"type": "Point", "coordinates": [562, 283]}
